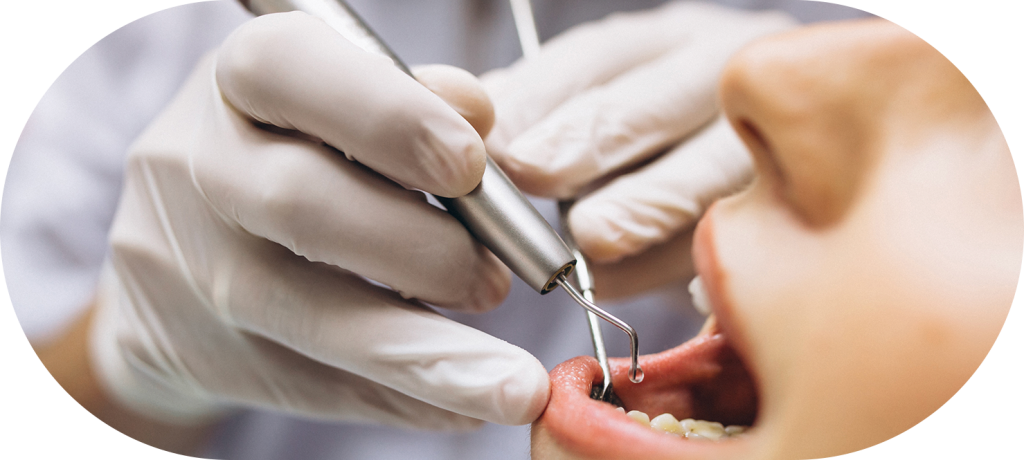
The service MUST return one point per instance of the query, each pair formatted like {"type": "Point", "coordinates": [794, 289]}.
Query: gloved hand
{"type": "Point", "coordinates": [242, 246]}
{"type": "Point", "coordinates": [610, 96]}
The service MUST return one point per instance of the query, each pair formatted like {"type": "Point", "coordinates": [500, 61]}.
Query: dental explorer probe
{"type": "Point", "coordinates": [496, 213]}
{"type": "Point", "coordinates": [529, 41]}
{"type": "Point", "coordinates": [585, 281]}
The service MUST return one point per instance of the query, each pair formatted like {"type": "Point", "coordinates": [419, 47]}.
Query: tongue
{"type": "Point", "coordinates": [701, 379]}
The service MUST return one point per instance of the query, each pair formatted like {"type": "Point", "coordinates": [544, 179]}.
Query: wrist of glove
{"type": "Point", "coordinates": [621, 115]}
{"type": "Point", "coordinates": [128, 362]}
{"type": "Point", "coordinates": [244, 244]}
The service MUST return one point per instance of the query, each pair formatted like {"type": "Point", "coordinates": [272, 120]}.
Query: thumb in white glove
{"type": "Point", "coordinates": [635, 90]}
{"type": "Point", "coordinates": [242, 245]}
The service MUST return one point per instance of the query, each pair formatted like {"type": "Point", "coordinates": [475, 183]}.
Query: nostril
{"type": "Point", "coordinates": [761, 150]}
{"type": "Point", "coordinates": [755, 140]}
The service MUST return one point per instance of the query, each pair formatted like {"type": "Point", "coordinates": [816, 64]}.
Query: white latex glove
{"type": "Point", "coordinates": [613, 94]}
{"type": "Point", "coordinates": [241, 243]}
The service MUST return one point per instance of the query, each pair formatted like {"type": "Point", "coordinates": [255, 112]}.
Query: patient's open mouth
{"type": "Point", "coordinates": [703, 379]}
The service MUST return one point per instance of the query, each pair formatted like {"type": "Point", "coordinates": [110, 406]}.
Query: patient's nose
{"type": "Point", "coordinates": [808, 111]}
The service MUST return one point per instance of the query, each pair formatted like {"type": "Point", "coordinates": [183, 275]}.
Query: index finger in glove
{"type": "Point", "coordinates": [613, 126]}
{"type": "Point", "coordinates": [294, 71]}
{"type": "Point", "coordinates": [581, 58]}
{"type": "Point", "coordinates": [638, 113]}
{"type": "Point", "coordinates": [461, 91]}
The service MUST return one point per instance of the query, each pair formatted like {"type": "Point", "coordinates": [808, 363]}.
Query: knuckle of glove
{"type": "Point", "coordinates": [246, 56]}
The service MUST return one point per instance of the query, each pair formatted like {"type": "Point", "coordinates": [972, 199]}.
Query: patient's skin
{"type": "Point", "coordinates": [862, 277]}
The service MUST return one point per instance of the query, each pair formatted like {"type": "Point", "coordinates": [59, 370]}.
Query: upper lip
{"type": "Point", "coordinates": [707, 264]}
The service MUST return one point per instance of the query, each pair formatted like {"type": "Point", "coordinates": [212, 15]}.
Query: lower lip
{"type": "Point", "coordinates": [595, 430]}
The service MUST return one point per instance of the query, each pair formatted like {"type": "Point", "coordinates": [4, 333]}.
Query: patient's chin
{"type": "Point", "coordinates": [702, 384]}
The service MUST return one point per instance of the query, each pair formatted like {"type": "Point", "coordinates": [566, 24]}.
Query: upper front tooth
{"type": "Point", "coordinates": [700, 296]}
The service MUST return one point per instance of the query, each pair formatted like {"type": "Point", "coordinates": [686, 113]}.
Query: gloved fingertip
{"type": "Point", "coordinates": [536, 178]}
{"type": "Point", "coordinates": [462, 91]}
{"type": "Point", "coordinates": [464, 154]}
{"type": "Point", "coordinates": [500, 283]}
{"type": "Point", "coordinates": [492, 288]}
{"type": "Point", "coordinates": [552, 160]}
{"type": "Point", "coordinates": [525, 397]}
{"type": "Point", "coordinates": [462, 168]}
{"type": "Point", "coordinates": [527, 178]}
{"type": "Point", "coordinates": [497, 141]}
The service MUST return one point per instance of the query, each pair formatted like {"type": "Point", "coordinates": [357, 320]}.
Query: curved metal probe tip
{"type": "Point", "coordinates": [636, 375]}
{"type": "Point", "coordinates": [585, 283]}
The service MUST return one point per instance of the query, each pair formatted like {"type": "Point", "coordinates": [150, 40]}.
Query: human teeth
{"type": "Point", "coordinates": [687, 428]}
{"type": "Point", "coordinates": [639, 417]}
{"type": "Point", "coordinates": [700, 296]}
{"type": "Point", "coordinates": [733, 430]}
{"type": "Point", "coordinates": [710, 430]}
{"type": "Point", "coordinates": [668, 424]}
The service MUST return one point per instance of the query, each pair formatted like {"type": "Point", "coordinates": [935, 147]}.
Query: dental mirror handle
{"type": "Point", "coordinates": [496, 213]}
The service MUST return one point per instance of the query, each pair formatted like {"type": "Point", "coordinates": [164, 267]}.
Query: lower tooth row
{"type": "Point", "coordinates": [687, 428]}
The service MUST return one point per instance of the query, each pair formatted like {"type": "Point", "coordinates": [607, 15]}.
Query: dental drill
{"type": "Point", "coordinates": [496, 213]}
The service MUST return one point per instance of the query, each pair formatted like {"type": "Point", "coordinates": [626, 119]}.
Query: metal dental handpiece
{"type": "Point", "coordinates": [496, 213]}
{"type": "Point", "coordinates": [529, 40]}
{"type": "Point", "coordinates": [522, 13]}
